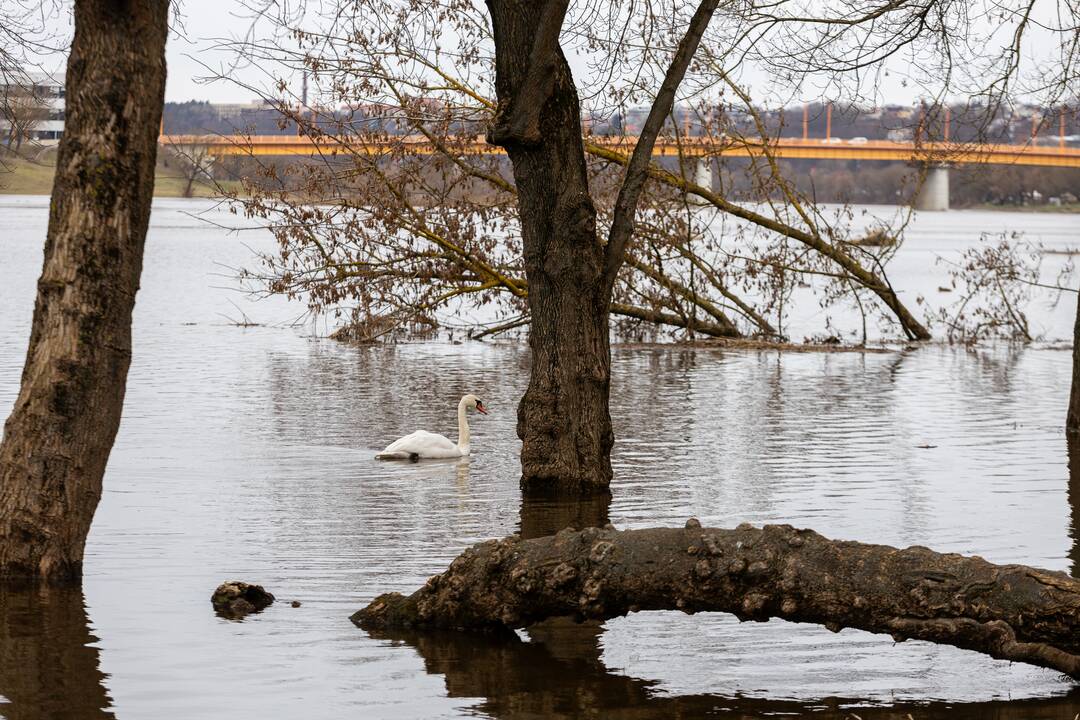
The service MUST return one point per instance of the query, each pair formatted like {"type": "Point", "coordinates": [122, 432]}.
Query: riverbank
{"type": "Point", "coordinates": [25, 176]}
{"type": "Point", "coordinates": [1066, 208]}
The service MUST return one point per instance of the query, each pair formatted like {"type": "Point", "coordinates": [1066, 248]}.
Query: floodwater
{"type": "Point", "coordinates": [246, 453]}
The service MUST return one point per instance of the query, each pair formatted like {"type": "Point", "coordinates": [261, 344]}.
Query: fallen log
{"type": "Point", "coordinates": [1010, 612]}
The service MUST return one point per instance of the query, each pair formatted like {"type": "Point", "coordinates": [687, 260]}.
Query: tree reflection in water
{"type": "Point", "coordinates": [1073, 443]}
{"type": "Point", "coordinates": [48, 667]}
{"type": "Point", "coordinates": [559, 674]}
{"type": "Point", "coordinates": [543, 515]}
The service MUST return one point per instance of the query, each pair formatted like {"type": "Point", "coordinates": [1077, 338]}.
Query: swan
{"type": "Point", "coordinates": [422, 444]}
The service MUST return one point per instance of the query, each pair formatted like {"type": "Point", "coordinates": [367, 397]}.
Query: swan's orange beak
{"type": "Point", "coordinates": [480, 408]}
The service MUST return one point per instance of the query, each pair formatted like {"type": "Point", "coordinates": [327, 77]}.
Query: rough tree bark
{"type": "Point", "coordinates": [58, 437]}
{"type": "Point", "coordinates": [1011, 612]}
{"type": "Point", "coordinates": [563, 419]}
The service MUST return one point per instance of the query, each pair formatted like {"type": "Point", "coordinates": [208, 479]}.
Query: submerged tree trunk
{"type": "Point", "coordinates": [563, 419]}
{"type": "Point", "coordinates": [58, 437]}
{"type": "Point", "coordinates": [1011, 612]}
{"type": "Point", "coordinates": [1072, 422]}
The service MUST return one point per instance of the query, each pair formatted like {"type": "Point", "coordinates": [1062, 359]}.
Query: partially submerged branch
{"type": "Point", "coordinates": [1010, 612]}
{"type": "Point", "coordinates": [659, 317]}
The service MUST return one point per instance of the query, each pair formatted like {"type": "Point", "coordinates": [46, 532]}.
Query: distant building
{"type": "Point", "coordinates": [235, 110]}
{"type": "Point", "coordinates": [37, 104]}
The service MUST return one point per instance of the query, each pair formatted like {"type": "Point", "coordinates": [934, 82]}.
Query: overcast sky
{"type": "Point", "coordinates": [203, 24]}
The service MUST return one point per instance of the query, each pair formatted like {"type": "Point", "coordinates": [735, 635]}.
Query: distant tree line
{"type": "Point", "coordinates": [967, 123]}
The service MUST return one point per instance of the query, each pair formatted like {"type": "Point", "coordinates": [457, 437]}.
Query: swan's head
{"type": "Point", "coordinates": [473, 403]}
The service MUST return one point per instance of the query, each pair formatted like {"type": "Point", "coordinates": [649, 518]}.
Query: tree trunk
{"type": "Point", "coordinates": [190, 182]}
{"type": "Point", "coordinates": [58, 437]}
{"type": "Point", "coordinates": [1072, 422]}
{"type": "Point", "coordinates": [563, 419]}
{"type": "Point", "coordinates": [1011, 612]}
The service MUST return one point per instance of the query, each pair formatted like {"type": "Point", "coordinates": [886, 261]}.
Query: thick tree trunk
{"type": "Point", "coordinates": [563, 419]}
{"type": "Point", "coordinates": [1072, 422]}
{"type": "Point", "coordinates": [1010, 612]}
{"type": "Point", "coordinates": [58, 437]}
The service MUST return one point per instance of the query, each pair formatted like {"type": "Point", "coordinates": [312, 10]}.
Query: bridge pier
{"type": "Point", "coordinates": [934, 193]}
{"type": "Point", "coordinates": [703, 173]}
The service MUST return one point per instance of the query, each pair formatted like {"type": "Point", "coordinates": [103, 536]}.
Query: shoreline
{"type": "Point", "coordinates": [22, 176]}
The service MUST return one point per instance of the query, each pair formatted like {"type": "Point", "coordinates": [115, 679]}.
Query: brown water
{"type": "Point", "coordinates": [247, 453]}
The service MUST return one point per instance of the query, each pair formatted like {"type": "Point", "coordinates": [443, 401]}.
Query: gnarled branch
{"type": "Point", "coordinates": [518, 122]}
{"type": "Point", "coordinates": [1010, 612]}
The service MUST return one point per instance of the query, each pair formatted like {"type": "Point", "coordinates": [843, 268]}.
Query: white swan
{"type": "Point", "coordinates": [422, 444]}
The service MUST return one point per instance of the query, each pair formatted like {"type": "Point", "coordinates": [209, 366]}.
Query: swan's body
{"type": "Point", "coordinates": [426, 445]}
{"type": "Point", "coordinates": [422, 444]}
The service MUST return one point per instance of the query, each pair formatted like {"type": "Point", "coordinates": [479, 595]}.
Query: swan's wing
{"type": "Point", "coordinates": [424, 444]}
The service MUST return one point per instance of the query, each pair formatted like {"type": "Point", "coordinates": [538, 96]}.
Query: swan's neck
{"type": "Point", "coordinates": [462, 428]}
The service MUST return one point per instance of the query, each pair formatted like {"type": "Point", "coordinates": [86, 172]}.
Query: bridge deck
{"type": "Point", "coordinates": [821, 149]}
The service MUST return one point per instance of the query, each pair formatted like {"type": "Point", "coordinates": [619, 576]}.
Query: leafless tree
{"type": "Point", "coordinates": [22, 110]}
{"type": "Point", "coordinates": [405, 212]}
{"type": "Point", "coordinates": [419, 215]}
{"type": "Point", "coordinates": [195, 163]}
{"type": "Point", "coordinates": [25, 37]}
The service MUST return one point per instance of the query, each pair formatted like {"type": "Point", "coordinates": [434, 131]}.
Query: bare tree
{"type": "Point", "coordinates": [403, 213]}
{"type": "Point", "coordinates": [577, 232]}
{"type": "Point", "coordinates": [195, 162]}
{"type": "Point", "coordinates": [25, 36]}
{"type": "Point", "coordinates": [58, 438]}
{"type": "Point", "coordinates": [22, 109]}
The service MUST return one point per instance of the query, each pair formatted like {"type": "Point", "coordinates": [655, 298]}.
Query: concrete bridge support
{"type": "Point", "coordinates": [703, 173]}
{"type": "Point", "coordinates": [934, 193]}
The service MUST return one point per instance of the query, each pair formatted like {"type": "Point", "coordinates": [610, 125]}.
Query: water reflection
{"type": "Point", "coordinates": [1073, 443]}
{"type": "Point", "coordinates": [546, 514]}
{"type": "Point", "coordinates": [559, 673]}
{"type": "Point", "coordinates": [48, 664]}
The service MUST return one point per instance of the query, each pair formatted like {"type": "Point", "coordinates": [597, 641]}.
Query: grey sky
{"type": "Point", "coordinates": [203, 24]}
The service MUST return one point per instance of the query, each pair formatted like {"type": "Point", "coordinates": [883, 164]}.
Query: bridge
{"type": "Point", "coordinates": [937, 156]}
